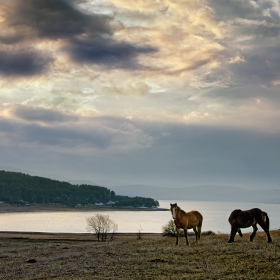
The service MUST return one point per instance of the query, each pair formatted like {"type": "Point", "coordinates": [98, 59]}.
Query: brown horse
{"type": "Point", "coordinates": [244, 219]}
{"type": "Point", "coordinates": [186, 221]}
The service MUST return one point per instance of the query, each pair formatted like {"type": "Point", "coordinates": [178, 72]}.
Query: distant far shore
{"type": "Point", "coordinates": [7, 208]}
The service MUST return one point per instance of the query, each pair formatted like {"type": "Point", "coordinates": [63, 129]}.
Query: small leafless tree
{"type": "Point", "coordinates": [101, 225]}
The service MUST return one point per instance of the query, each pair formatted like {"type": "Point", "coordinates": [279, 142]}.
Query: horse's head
{"type": "Point", "coordinates": [173, 208]}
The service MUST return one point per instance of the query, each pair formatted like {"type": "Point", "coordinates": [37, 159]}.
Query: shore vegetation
{"type": "Point", "coordinates": [20, 189]}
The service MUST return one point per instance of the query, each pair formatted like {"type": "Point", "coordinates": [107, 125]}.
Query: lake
{"type": "Point", "coordinates": [215, 218]}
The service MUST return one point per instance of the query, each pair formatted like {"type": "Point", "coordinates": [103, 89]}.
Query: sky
{"type": "Point", "coordinates": [154, 92]}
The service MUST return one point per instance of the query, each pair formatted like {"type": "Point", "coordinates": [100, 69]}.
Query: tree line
{"type": "Point", "coordinates": [20, 189]}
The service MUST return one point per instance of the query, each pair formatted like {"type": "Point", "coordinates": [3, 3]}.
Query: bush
{"type": "Point", "coordinates": [170, 229]}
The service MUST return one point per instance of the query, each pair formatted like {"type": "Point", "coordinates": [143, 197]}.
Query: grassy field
{"type": "Point", "coordinates": [80, 256]}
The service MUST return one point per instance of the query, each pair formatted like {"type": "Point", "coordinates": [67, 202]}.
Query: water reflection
{"type": "Point", "coordinates": [215, 218]}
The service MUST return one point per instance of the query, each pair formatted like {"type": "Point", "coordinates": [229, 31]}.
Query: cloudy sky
{"type": "Point", "coordinates": [155, 92]}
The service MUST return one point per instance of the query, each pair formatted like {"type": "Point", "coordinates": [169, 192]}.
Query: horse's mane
{"type": "Point", "coordinates": [181, 210]}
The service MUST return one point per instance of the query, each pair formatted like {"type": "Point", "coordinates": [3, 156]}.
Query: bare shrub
{"type": "Point", "coordinates": [101, 225]}
{"type": "Point", "coordinates": [139, 233]}
{"type": "Point", "coordinates": [209, 232]}
{"type": "Point", "coordinates": [170, 229]}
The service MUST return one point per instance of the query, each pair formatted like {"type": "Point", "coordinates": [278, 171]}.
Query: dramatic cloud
{"type": "Point", "coordinates": [23, 62]}
{"type": "Point", "coordinates": [183, 91]}
{"type": "Point", "coordinates": [88, 38]}
{"type": "Point", "coordinates": [55, 19]}
{"type": "Point", "coordinates": [10, 39]}
{"type": "Point", "coordinates": [106, 52]}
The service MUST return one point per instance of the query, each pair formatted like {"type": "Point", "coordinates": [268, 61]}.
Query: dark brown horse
{"type": "Point", "coordinates": [244, 219]}
{"type": "Point", "coordinates": [186, 221]}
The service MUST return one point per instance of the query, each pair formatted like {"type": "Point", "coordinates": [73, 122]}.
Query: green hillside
{"type": "Point", "coordinates": [22, 189]}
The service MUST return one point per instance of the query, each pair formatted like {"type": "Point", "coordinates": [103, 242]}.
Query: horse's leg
{"type": "Point", "coordinates": [177, 235]}
{"type": "Point", "coordinates": [196, 234]}
{"type": "Point", "coordinates": [254, 232]}
{"type": "Point", "coordinates": [233, 233]}
{"type": "Point", "coordinates": [239, 232]}
{"type": "Point", "coordinates": [264, 227]}
{"type": "Point", "coordinates": [199, 231]}
{"type": "Point", "coordinates": [186, 235]}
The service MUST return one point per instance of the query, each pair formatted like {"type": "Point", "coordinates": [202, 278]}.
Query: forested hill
{"type": "Point", "coordinates": [21, 189]}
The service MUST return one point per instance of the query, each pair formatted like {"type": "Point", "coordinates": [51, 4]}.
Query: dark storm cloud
{"type": "Point", "coordinates": [57, 18]}
{"type": "Point", "coordinates": [23, 62]}
{"type": "Point", "coordinates": [87, 38]}
{"type": "Point", "coordinates": [11, 39]}
{"type": "Point", "coordinates": [41, 115]}
{"type": "Point", "coordinates": [106, 51]}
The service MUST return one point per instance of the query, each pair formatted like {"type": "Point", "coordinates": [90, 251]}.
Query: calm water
{"type": "Point", "coordinates": [215, 215]}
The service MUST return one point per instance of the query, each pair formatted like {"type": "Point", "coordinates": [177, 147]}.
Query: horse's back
{"type": "Point", "coordinates": [237, 212]}
{"type": "Point", "coordinates": [195, 217]}
{"type": "Point", "coordinates": [234, 215]}
{"type": "Point", "coordinates": [256, 211]}
{"type": "Point", "coordinates": [245, 218]}
{"type": "Point", "coordinates": [198, 215]}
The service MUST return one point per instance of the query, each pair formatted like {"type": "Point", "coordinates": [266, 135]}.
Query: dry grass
{"type": "Point", "coordinates": [79, 256]}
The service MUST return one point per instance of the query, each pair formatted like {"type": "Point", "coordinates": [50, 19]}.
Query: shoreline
{"type": "Point", "coordinates": [7, 208]}
{"type": "Point", "coordinates": [88, 236]}
{"type": "Point", "coordinates": [26, 235]}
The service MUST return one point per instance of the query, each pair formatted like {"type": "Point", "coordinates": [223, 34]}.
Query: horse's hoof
{"type": "Point", "coordinates": [230, 241]}
{"type": "Point", "coordinates": [269, 241]}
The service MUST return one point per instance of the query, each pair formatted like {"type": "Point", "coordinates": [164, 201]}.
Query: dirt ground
{"type": "Point", "coordinates": [80, 256]}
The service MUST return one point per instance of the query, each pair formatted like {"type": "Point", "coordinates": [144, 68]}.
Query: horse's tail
{"type": "Point", "coordinates": [266, 220]}
{"type": "Point", "coordinates": [199, 226]}
{"type": "Point", "coordinates": [200, 219]}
